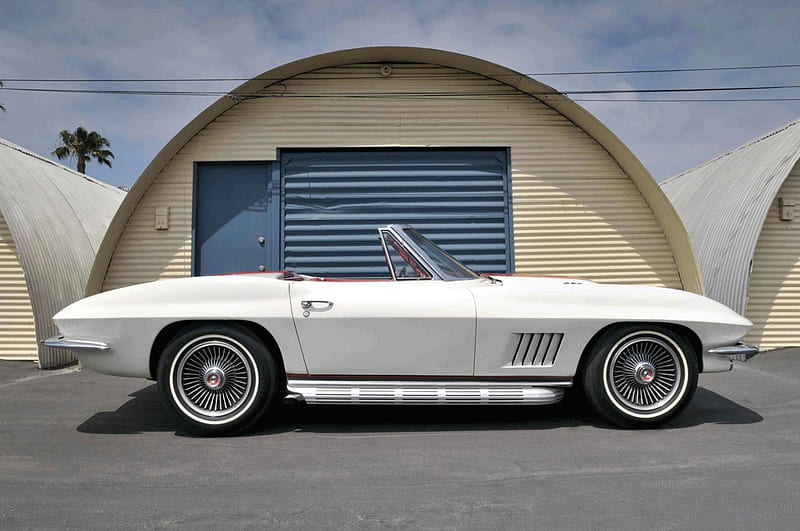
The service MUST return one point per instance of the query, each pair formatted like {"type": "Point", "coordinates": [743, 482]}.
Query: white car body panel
{"type": "Point", "coordinates": [129, 319]}
{"type": "Point", "coordinates": [435, 333]}
{"type": "Point", "coordinates": [406, 328]}
{"type": "Point", "coordinates": [532, 330]}
{"type": "Point", "coordinates": [579, 309]}
{"type": "Point", "coordinates": [389, 328]}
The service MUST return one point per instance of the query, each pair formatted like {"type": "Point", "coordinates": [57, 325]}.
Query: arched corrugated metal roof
{"type": "Point", "coordinates": [57, 219]}
{"type": "Point", "coordinates": [676, 235]}
{"type": "Point", "coordinates": [723, 204]}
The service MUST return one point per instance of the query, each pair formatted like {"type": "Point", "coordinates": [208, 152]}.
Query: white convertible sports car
{"type": "Point", "coordinates": [224, 348]}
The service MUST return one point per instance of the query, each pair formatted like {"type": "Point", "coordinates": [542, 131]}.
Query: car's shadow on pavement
{"type": "Point", "coordinates": [145, 413]}
{"type": "Point", "coordinates": [707, 407]}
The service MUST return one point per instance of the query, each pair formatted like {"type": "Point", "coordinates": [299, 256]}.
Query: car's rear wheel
{"type": "Point", "coordinates": [640, 376]}
{"type": "Point", "coordinates": [216, 379]}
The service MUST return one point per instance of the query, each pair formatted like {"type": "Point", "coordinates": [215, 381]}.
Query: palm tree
{"type": "Point", "coordinates": [83, 146]}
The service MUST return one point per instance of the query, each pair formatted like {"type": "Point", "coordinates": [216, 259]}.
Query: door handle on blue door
{"type": "Point", "coordinates": [306, 305]}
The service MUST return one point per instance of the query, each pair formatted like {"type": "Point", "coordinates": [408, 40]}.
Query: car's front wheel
{"type": "Point", "coordinates": [639, 376]}
{"type": "Point", "coordinates": [216, 379]}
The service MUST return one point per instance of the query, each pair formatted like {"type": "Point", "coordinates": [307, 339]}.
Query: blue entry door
{"type": "Point", "coordinates": [231, 218]}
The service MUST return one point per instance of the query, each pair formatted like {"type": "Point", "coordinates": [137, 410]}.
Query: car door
{"type": "Point", "coordinates": [385, 328]}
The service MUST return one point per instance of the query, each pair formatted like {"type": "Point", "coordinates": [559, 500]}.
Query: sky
{"type": "Point", "coordinates": [87, 39]}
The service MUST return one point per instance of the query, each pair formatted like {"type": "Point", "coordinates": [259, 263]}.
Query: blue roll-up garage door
{"type": "Point", "coordinates": [334, 200]}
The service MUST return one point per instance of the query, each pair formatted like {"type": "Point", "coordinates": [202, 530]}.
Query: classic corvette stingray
{"type": "Point", "coordinates": [224, 348]}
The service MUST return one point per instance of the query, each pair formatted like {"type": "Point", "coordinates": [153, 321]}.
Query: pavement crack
{"type": "Point", "coordinates": [41, 374]}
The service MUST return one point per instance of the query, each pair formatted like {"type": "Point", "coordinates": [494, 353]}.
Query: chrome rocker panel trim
{"type": "Point", "coordinates": [422, 392]}
{"type": "Point", "coordinates": [74, 344]}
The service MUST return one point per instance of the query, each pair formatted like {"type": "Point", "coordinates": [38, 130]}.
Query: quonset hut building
{"type": "Point", "coordinates": [296, 168]}
{"type": "Point", "coordinates": [742, 212]}
{"type": "Point", "coordinates": [52, 221]}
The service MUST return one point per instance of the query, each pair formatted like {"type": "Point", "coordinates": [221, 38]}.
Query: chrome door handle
{"type": "Point", "coordinates": [310, 304]}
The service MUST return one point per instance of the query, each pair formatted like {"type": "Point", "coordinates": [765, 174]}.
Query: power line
{"type": "Point", "coordinates": [432, 94]}
{"type": "Point", "coordinates": [333, 75]}
{"type": "Point", "coordinates": [665, 70]}
{"type": "Point", "coordinates": [650, 91]}
{"type": "Point", "coordinates": [119, 92]}
{"type": "Point", "coordinates": [685, 100]}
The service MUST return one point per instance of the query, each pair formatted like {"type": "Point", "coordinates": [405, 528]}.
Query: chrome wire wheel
{"type": "Point", "coordinates": [645, 374]}
{"type": "Point", "coordinates": [214, 379]}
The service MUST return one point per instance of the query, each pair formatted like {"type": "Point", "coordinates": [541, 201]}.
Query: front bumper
{"type": "Point", "coordinates": [740, 352]}
{"type": "Point", "coordinates": [720, 359]}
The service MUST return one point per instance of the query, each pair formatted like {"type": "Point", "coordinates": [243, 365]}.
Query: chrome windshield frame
{"type": "Point", "coordinates": [398, 232]}
{"type": "Point", "coordinates": [398, 237]}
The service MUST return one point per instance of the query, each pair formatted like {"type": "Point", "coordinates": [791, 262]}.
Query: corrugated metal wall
{"type": "Point", "coordinates": [723, 203]}
{"type": "Point", "coordinates": [575, 212]}
{"type": "Point", "coordinates": [334, 200]}
{"type": "Point", "coordinates": [17, 330]}
{"type": "Point", "coordinates": [774, 301]}
{"type": "Point", "coordinates": [57, 218]}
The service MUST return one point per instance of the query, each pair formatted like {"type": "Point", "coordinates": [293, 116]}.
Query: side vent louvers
{"type": "Point", "coordinates": [536, 350]}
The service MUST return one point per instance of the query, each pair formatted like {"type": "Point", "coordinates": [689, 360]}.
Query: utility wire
{"type": "Point", "coordinates": [387, 95]}
{"type": "Point", "coordinates": [361, 76]}
{"type": "Point", "coordinates": [664, 70]}
{"type": "Point", "coordinates": [649, 91]}
{"type": "Point", "coordinates": [685, 100]}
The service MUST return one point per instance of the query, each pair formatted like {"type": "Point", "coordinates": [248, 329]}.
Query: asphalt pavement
{"type": "Point", "coordinates": [82, 450]}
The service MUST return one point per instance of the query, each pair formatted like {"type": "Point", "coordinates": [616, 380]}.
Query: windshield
{"type": "Point", "coordinates": [403, 264]}
{"type": "Point", "coordinates": [448, 265]}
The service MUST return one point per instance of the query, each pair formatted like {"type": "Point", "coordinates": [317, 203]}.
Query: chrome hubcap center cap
{"type": "Point", "coordinates": [214, 378]}
{"type": "Point", "coordinates": [645, 373]}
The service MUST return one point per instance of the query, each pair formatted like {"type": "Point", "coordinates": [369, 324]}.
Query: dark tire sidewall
{"type": "Point", "coordinates": [264, 368]}
{"type": "Point", "coordinates": [601, 397]}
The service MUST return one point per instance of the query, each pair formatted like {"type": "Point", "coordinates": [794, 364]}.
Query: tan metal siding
{"type": "Point", "coordinates": [575, 211]}
{"type": "Point", "coordinates": [17, 330]}
{"type": "Point", "coordinates": [774, 301]}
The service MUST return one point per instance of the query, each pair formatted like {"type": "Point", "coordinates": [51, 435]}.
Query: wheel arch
{"type": "Point", "coordinates": [173, 329]}
{"type": "Point", "coordinates": [685, 331]}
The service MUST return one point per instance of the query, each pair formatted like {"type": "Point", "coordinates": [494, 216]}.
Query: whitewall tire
{"type": "Point", "coordinates": [216, 379]}
{"type": "Point", "coordinates": [640, 375]}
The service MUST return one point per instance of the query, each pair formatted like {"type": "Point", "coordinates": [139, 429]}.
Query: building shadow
{"type": "Point", "coordinates": [145, 413]}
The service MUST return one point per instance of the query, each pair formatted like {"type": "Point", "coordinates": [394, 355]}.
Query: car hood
{"type": "Point", "coordinates": [583, 298]}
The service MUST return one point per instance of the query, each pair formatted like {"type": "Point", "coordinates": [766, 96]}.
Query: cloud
{"type": "Point", "coordinates": [94, 39]}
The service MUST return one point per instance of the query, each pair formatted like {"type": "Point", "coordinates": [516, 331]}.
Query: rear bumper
{"type": "Point", "coordinates": [74, 344]}
{"type": "Point", "coordinates": [720, 359]}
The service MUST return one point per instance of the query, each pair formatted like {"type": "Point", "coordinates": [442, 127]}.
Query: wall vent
{"type": "Point", "coordinates": [536, 350]}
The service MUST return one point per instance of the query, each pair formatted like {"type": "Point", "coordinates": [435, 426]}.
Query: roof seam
{"type": "Point", "coordinates": [31, 154]}
{"type": "Point", "coordinates": [731, 152]}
